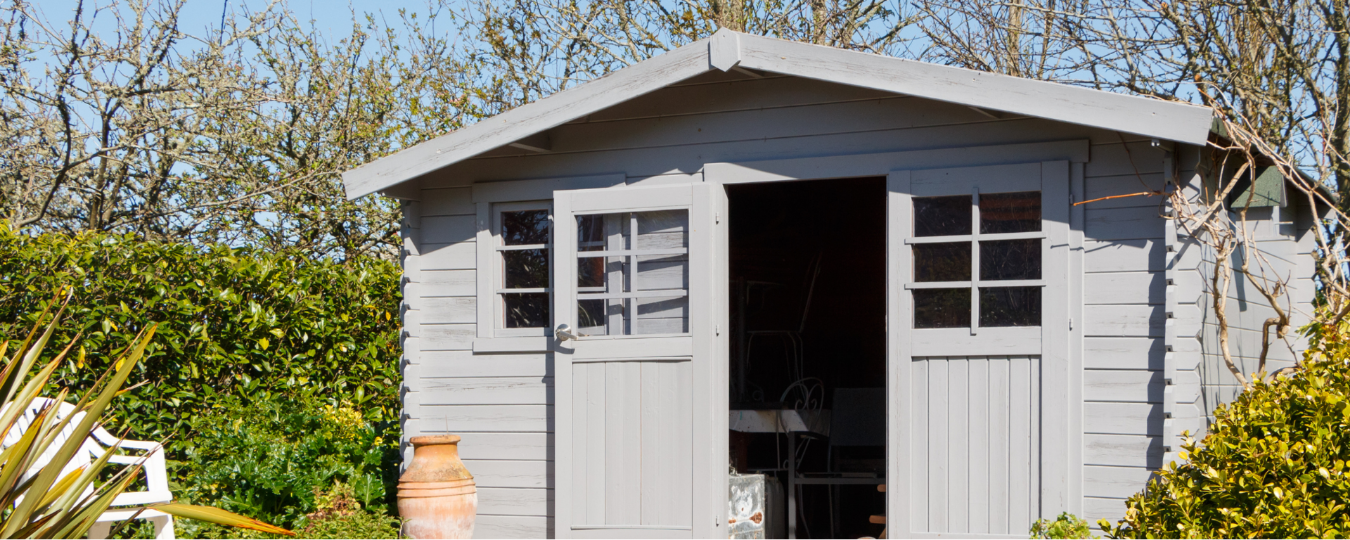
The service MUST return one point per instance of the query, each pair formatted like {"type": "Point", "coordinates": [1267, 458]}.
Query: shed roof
{"type": "Point", "coordinates": [726, 50]}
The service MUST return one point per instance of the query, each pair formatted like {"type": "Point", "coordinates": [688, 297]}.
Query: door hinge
{"type": "Point", "coordinates": [1070, 323]}
{"type": "Point", "coordinates": [717, 329]}
{"type": "Point", "coordinates": [717, 218]}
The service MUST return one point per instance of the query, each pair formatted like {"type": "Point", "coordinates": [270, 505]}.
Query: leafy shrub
{"type": "Point", "coordinates": [339, 515]}
{"type": "Point", "coordinates": [237, 323]}
{"type": "Point", "coordinates": [1065, 526]}
{"type": "Point", "coordinates": [1272, 466]}
{"type": "Point", "coordinates": [275, 459]}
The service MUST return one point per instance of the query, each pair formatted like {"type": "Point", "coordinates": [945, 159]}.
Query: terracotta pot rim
{"type": "Point", "coordinates": [426, 440]}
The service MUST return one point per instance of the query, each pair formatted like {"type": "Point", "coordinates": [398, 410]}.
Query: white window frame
{"type": "Point", "coordinates": [491, 199]}
{"type": "Point", "coordinates": [498, 268]}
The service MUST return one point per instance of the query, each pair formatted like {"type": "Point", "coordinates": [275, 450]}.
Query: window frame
{"type": "Point", "coordinates": [973, 241]}
{"type": "Point", "coordinates": [488, 197]}
{"type": "Point", "coordinates": [498, 269]}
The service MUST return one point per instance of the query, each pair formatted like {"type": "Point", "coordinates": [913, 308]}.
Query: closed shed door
{"type": "Point", "coordinates": [636, 272]}
{"type": "Point", "coordinates": [979, 262]}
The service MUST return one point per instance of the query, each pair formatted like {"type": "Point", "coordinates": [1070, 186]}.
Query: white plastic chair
{"type": "Point", "coordinates": [125, 505]}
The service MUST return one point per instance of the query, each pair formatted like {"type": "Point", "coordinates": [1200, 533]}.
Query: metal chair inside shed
{"type": "Point", "coordinates": [857, 419]}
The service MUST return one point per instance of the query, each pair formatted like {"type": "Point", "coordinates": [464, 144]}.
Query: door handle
{"type": "Point", "coordinates": [564, 333]}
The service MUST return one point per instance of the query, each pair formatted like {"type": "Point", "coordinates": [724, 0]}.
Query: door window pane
{"type": "Point", "coordinates": [942, 308]}
{"type": "Point", "coordinates": [525, 227]}
{"type": "Point", "coordinates": [526, 310]}
{"type": "Point", "coordinates": [525, 269]}
{"type": "Point", "coordinates": [1010, 259]}
{"type": "Point", "coordinates": [640, 286]}
{"type": "Point", "coordinates": [1010, 306]}
{"type": "Point", "coordinates": [942, 262]}
{"type": "Point", "coordinates": [1010, 212]}
{"type": "Point", "coordinates": [941, 216]}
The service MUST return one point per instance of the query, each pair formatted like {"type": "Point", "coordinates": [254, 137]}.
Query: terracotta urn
{"type": "Point", "coordinates": [437, 497]}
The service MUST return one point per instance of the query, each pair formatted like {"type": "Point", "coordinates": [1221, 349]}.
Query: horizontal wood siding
{"type": "Point", "coordinates": [499, 404]}
{"type": "Point", "coordinates": [1125, 316]}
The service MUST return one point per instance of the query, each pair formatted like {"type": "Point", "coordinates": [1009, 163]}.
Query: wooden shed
{"type": "Point", "coordinates": [616, 293]}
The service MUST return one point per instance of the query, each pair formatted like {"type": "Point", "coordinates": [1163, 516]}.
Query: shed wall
{"type": "Point", "coordinates": [502, 403]}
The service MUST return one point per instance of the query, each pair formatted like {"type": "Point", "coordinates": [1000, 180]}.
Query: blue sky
{"type": "Point", "coordinates": [332, 18]}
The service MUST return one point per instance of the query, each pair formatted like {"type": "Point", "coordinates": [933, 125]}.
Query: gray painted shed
{"type": "Point", "coordinates": [1037, 356]}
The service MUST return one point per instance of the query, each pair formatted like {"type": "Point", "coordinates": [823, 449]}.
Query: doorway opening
{"type": "Point", "coordinates": [808, 351]}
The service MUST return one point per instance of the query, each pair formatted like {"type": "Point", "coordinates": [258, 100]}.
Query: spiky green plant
{"type": "Point", "coordinates": [41, 502]}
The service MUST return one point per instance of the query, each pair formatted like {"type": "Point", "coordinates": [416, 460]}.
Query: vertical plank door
{"type": "Point", "coordinates": [978, 330]}
{"type": "Point", "coordinates": [640, 303]}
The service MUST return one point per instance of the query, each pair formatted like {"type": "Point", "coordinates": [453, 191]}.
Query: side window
{"type": "Point", "coordinates": [523, 234]}
{"type": "Point", "coordinates": [977, 260]}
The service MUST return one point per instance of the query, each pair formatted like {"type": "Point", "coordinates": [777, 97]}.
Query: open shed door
{"type": "Point", "coordinates": [979, 348]}
{"type": "Point", "coordinates": [640, 276]}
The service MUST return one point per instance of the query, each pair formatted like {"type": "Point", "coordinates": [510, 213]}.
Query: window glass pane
{"type": "Point", "coordinates": [525, 269]}
{"type": "Point", "coordinates": [661, 315]}
{"type": "Point", "coordinates": [526, 310]}
{"type": "Point", "coordinates": [942, 262]}
{"type": "Point", "coordinates": [656, 263]}
{"type": "Point", "coordinates": [1010, 306]}
{"type": "Point", "coordinates": [942, 308]}
{"type": "Point", "coordinates": [525, 227]}
{"type": "Point", "coordinates": [941, 216]}
{"type": "Point", "coordinates": [1010, 212]}
{"type": "Point", "coordinates": [591, 233]}
{"type": "Point", "coordinates": [662, 230]}
{"type": "Point", "coordinates": [1010, 259]}
{"type": "Point", "coordinates": [591, 316]}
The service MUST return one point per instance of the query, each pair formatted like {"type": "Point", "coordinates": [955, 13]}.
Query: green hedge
{"type": "Point", "coordinates": [234, 323]}
{"type": "Point", "coordinates": [1274, 464]}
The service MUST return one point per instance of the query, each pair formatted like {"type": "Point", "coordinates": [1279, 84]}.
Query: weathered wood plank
{"type": "Point", "coordinates": [458, 256]}
{"type": "Point", "coordinates": [514, 502]}
{"type": "Point", "coordinates": [1123, 385]}
{"type": "Point", "coordinates": [1123, 256]}
{"type": "Point", "coordinates": [1124, 288]}
{"type": "Point", "coordinates": [1123, 418]}
{"type": "Point", "coordinates": [1135, 223]}
{"type": "Point", "coordinates": [485, 418]}
{"type": "Point", "coordinates": [1123, 451]}
{"type": "Point", "coordinates": [489, 526]}
{"type": "Point", "coordinates": [1117, 482]}
{"type": "Point", "coordinates": [456, 201]}
{"type": "Point", "coordinates": [469, 364]}
{"type": "Point", "coordinates": [445, 337]}
{"type": "Point", "coordinates": [1123, 353]}
{"type": "Point", "coordinates": [436, 283]}
{"type": "Point", "coordinates": [510, 446]}
{"type": "Point", "coordinates": [442, 310]}
{"type": "Point", "coordinates": [487, 391]}
{"type": "Point", "coordinates": [1100, 187]}
{"type": "Point", "coordinates": [490, 473]}
{"type": "Point", "coordinates": [1125, 321]}
{"type": "Point", "coordinates": [448, 229]}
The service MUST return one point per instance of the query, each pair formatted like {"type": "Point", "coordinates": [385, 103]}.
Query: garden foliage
{"type": "Point", "coordinates": [1274, 464]}
{"type": "Point", "coordinates": [275, 459]}
{"type": "Point", "coordinates": [234, 323]}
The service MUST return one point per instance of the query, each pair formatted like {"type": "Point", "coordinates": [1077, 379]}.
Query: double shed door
{"type": "Point", "coordinates": [979, 308]}
{"type": "Point", "coordinates": [641, 281]}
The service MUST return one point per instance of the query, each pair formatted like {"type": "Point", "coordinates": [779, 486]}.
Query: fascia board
{"type": "Point", "coordinates": [528, 119]}
{"type": "Point", "coordinates": [1154, 118]}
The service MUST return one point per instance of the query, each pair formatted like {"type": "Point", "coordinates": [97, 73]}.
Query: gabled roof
{"type": "Point", "coordinates": [726, 50]}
